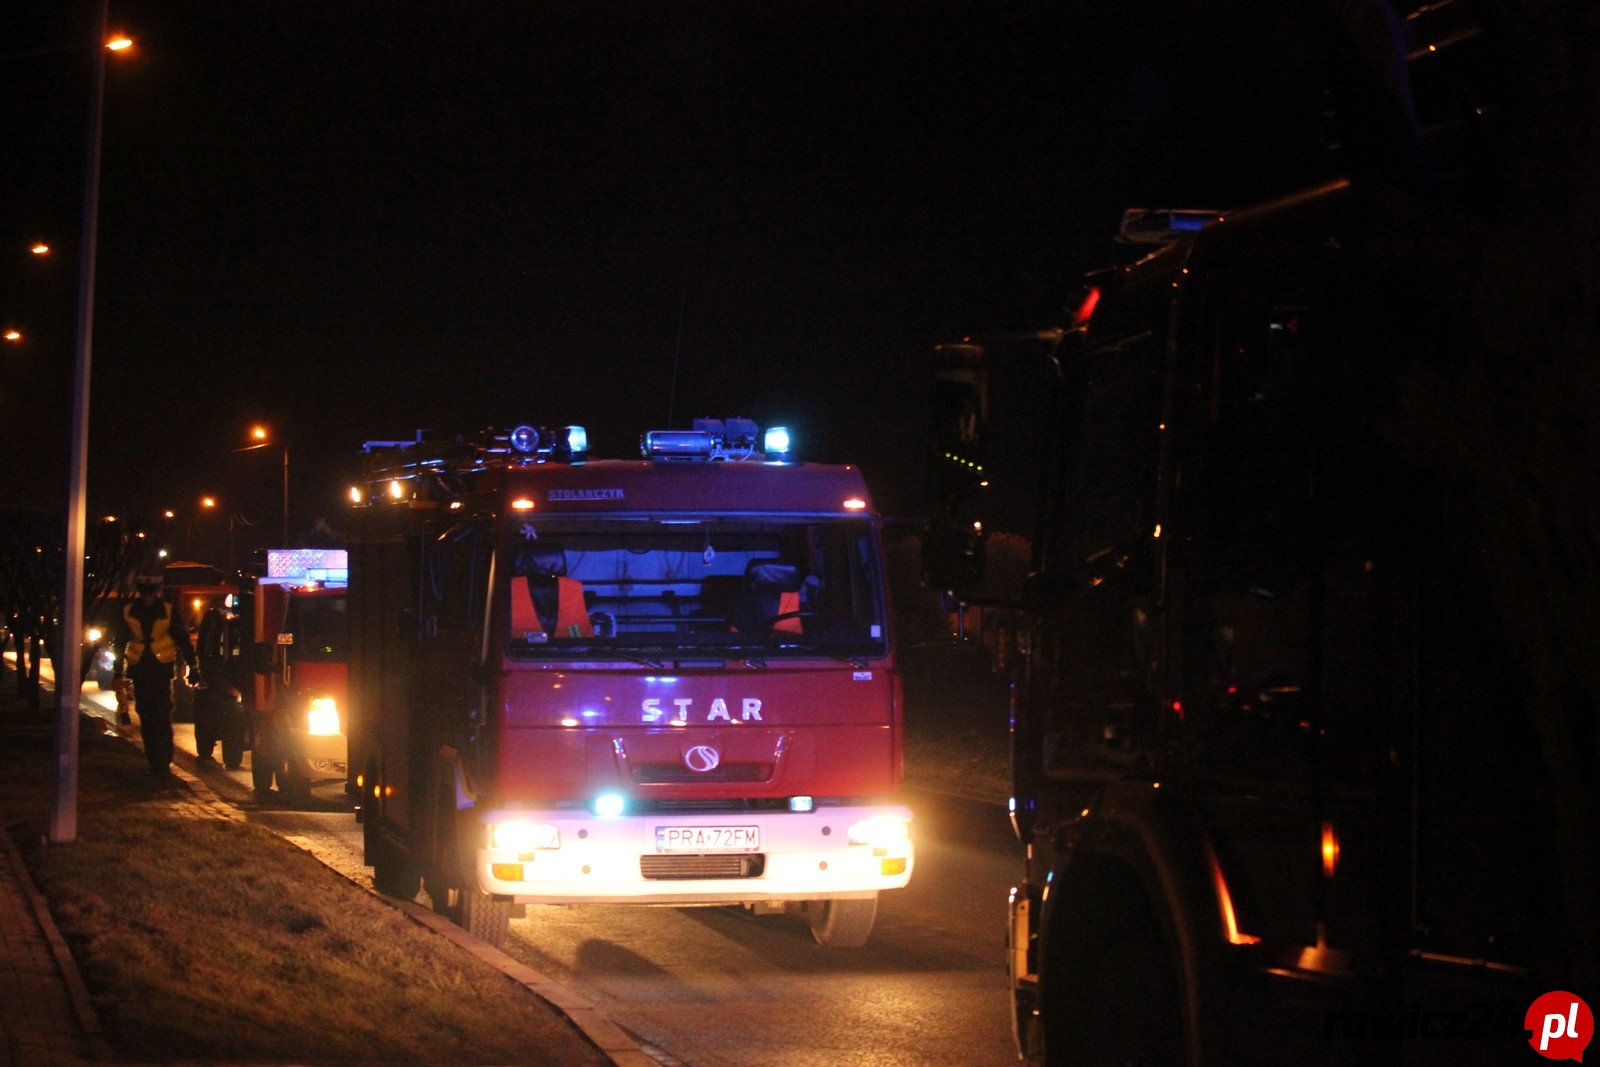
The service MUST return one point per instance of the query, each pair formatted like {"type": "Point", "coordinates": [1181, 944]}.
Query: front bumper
{"type": "Point", "coordinates": [322, 755]}
{"type": "Point", "coordinates": [800, 856]}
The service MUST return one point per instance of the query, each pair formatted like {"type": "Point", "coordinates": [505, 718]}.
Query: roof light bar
{"type": "Point", "coordinates": [718, 439]}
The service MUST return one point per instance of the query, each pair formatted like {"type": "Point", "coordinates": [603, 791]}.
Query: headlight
{"type": "Point", "coordinates": [322, 718]}
{"type": "Point", "coordinates": [93, 634]}
{"type": "Point", "coordinates": [880, 831]}
{"type": "Point", "coordinates": [523, 836]}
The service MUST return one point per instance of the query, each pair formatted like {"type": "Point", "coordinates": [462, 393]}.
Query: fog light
{"type": "Point", "coordinates": [506, 872]}
{"type": "Point", "coordinates": [880, 831]}
{"type": "Point", "coordinates": [894, 866]}
{"type": "Point", "coordinates": [520, 835]}
{"type": "Point", "coordinates": [609, 805]}
{"type": "Point", "coordinates": [801, 804]}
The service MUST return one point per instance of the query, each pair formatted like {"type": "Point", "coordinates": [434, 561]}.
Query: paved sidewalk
{"type": "Point", "coordinates": [46, 1017]}
{"type": "Point", "coordinates": [45, 1014]}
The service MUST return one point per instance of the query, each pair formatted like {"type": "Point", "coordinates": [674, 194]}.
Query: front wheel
{"type": "Point", "coordinates": [484, 917]}
{"type": "Point", "coordinates": [263, 758]}
{"type": "Point", "coordinates": [392, 870]}
{"type": "Point", "coordinates": [842, 923]}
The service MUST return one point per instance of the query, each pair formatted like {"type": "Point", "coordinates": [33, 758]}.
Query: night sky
{"type": "Point", "coordinates": [353, 220]}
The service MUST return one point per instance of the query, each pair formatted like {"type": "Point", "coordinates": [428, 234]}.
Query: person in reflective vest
{"type": "Point", "coordinates": [154, 638]}
{"type": "Point", "coordinates": [571, 615]}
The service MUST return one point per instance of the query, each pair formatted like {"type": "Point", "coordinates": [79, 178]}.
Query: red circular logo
{"type": "Point", "coordinates": [1561, 1024]}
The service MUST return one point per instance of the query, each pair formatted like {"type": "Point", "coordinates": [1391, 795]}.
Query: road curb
{"type": "Point", "coordinates": [94, 1038]}
{"type": "Point", "coordinates": [606, 1035]}
{"type": "Point", "coordinates": [613, 1041]}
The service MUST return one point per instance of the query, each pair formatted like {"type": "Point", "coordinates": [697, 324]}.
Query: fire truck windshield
{"type": "Point", "coordinates": [319, 628]}
{"type": "Point", "coordinates": [766, 587]}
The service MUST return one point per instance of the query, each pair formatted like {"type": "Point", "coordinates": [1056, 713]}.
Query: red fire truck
{"type": "Point", "coordinates": [300, 625]}
{"type": "Point", "coordinates": [666, 680]}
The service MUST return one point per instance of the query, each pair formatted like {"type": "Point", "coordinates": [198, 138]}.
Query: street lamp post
{"type": "Point", "coordinates": [264, 440]}
{"type": "Point", "coordinates": [64, 795]}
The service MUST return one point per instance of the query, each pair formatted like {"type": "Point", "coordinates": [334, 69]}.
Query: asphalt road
{"type": "Point", "coordinates": [717, 987]}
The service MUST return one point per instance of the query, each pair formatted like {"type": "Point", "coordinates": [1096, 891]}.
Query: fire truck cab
{"type": "Point", "coordinates": [667, 680]}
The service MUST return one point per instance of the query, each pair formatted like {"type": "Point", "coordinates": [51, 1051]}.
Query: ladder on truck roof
{"type": "Point", "coordinates": [450, 458]}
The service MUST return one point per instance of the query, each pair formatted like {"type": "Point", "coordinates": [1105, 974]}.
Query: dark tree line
{"type": "Point", "coordinates": [33, 577]}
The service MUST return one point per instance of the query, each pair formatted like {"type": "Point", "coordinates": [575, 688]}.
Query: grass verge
{"type": "Point", "coordinates": [204, 938]}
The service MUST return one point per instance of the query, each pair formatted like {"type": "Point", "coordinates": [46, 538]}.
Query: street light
{"type": "Point", "coordinates": [263, 438]}
{"type": "Point", "coordinates": [64, 795]}
{"type": "Point", "coordinates": [39, 249]}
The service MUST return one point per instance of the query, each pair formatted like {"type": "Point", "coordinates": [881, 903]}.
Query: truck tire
{"type": "Point", "coordinates": [263, 756]}
{"type": "Point", "coordinates": [842, 923]}
{"type": "Point", "coordinates": [396, 878]}
{"type": "Point", "coordinates": [1110, 991]}
{"type": "Point", "coordinates": [484, 917]}
{"type": "Point", "coordinates": [392, 871]}
{"type": "Point", "coordinates": [292, 781]}
{"type": "Point", "coordinates": [207, 723]}
{"type": "Point", "coordinates": [449, 881]}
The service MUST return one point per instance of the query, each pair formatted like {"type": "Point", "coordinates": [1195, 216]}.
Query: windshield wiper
{"type": "Point", "coordinates": [856, 660]}
{"type": "Point", "coordinates": [622, 655]}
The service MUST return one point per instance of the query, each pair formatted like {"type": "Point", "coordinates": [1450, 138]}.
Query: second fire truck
{"type": "Point", "coordinates": [666, 680]}
{"type": "Point", "coordinates": [300, 627]}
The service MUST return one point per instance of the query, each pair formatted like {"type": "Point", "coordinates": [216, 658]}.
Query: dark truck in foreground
{"type": "Point", "coordinates": [1304, 696]}
{"type": "Point", "coordinates": [1281, 786]}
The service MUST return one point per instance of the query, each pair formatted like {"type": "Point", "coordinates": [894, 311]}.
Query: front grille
{"type": "Point", "coordinates": [711, 804]}
{"type": "Point", "coordinates": [665, 773]}
{"type": "Point", "coordinates": [713, 865]}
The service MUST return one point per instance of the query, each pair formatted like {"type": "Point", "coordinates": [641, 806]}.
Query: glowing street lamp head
{"type": "Point", "coordinates": [119, 43]}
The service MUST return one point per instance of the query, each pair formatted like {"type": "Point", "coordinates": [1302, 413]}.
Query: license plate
{"type": "Point", "coordinates": [708, 838]}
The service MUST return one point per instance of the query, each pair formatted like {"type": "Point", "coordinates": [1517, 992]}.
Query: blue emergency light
{"type": "Point", "coordinates": [569, 442]}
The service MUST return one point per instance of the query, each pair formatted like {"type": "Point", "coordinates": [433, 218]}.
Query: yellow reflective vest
{"type": "Point", "coordinates": [158, 640]}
